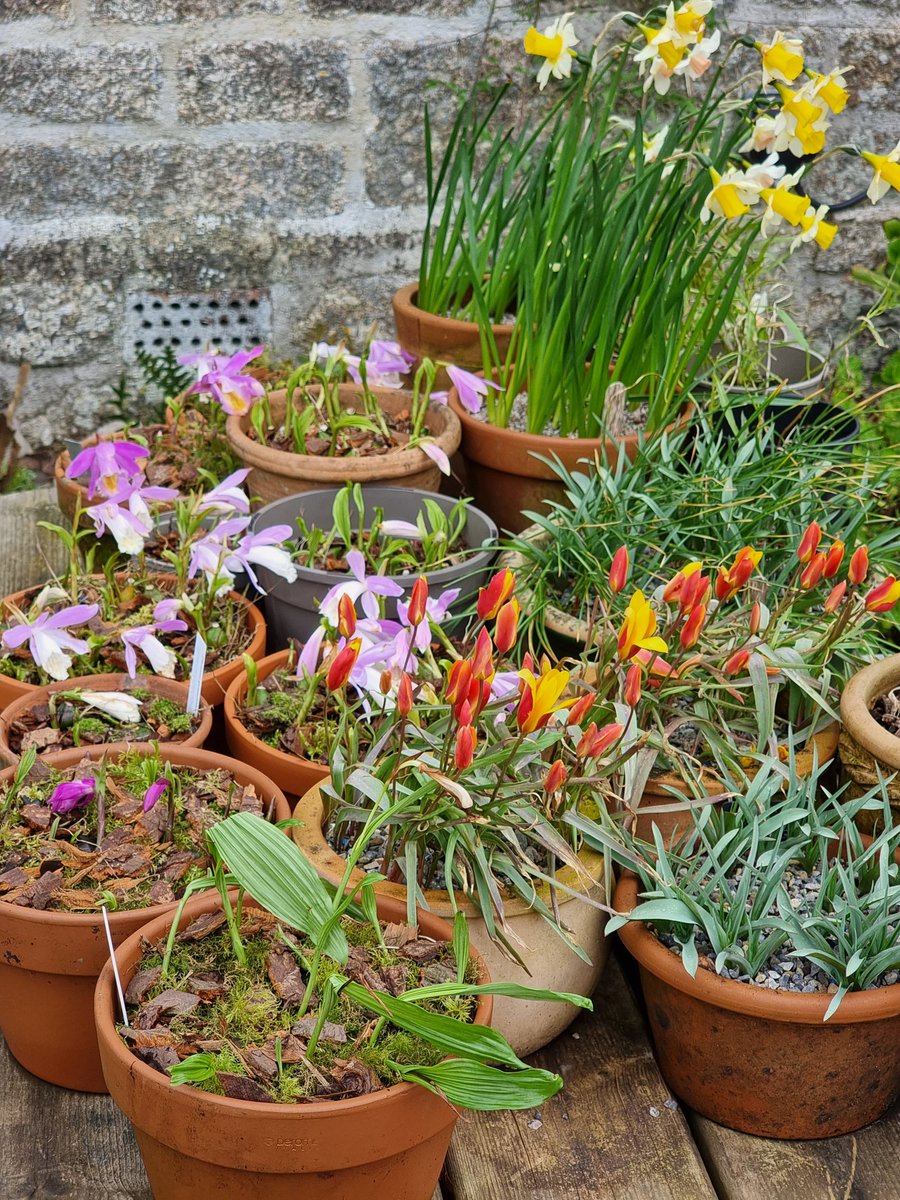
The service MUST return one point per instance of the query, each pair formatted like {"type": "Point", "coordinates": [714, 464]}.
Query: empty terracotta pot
{"type": "Point", "coordinates": [867, 749]}
{"type": "Point", "coordinates": [167, 689]}
{"type": "Point", "coordinates": [49, 961]}
{"type": "Point", "coordinates": [526, 1024]}
{"type": "Point", "coordinates": [427, 335]}
{"type": "Point", "coordinates": [292, 774]}
{"type": "Point", "coordinates": [275, 474]}
{"type": "Point", "coordinates": [762, 1061]}
{"type": "Point", "coordinates": [389, 1144]}
{"type": "Point", "coordinates": [215, 683]}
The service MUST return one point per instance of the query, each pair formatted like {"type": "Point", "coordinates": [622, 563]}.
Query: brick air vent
{"type": "Point", "coordinates": [226, 321]}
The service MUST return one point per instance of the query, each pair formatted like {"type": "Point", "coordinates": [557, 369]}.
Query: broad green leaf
{"type": "Point", "coordinates": [487, 1089]}
{"type": "Point", "coordinates": [196, 1068]}
{"type": "Point", "coordinates": [517, 991]}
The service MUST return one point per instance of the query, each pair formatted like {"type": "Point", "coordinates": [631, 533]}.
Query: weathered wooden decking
{"type": "Point", "coordinates": [614, 1131]}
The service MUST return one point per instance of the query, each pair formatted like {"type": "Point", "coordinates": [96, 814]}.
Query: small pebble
{"type": "Point", "coordinates": [654, 1112]}
{"type": "Point", "coordinates": [535, 1124]}
{"type": "Point", "coordinates": [672, 1104]}
{"type": "Point", "coordinates": [577, 1037]}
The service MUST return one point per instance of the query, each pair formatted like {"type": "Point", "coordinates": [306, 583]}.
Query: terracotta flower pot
{"type": "Point", "coordinates": [820, 749]}
{"type": "Point", "coordinates": [294, 775]}
{"type": "Point", "coordinates": [215, 683]}
{"type": "Point", "coordinates": [526, 1024]}
{"type": "Point", "coordinates": [49, 961]}
{"type": "Point", "coordinates": [167, 689]}
{"type": "Point", "coordinates": [427, 335]}
{"type": "Point", "coordinates": [278, 473]}
{"type": "Point", "coordinates": [390, 1143]}
{"type": "Point", "coordinates": [762, 1061]}
{"type": "Point", "coordinates": [508, 479]}
{"type": "Point", "coordinates": [867, 749]}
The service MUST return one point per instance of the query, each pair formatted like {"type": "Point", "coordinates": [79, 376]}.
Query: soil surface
{"type": "Point", "coordinates": [72, 722]}
{"type": "Point", "coordinates": [886, 711]}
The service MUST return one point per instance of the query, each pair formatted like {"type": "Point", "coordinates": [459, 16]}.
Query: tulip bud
{"type": "Point", "coordinates": [744, 566]}
{"type": "Point", "coordinates": [466, 741]}
{"type": "Point", "coordinates": [580, 708]}
{"type": "Point", "coordinates": [737, 662]}
{"type": "Point", "coordinates": [346, 616]}
{"type": "Point", "coordinates": [812, 572]}
{"type": "Point", "coordinates": [755, 618]}
{"type": "Point", "coordinates": [690, 630]}
{"type": "Point", "coordinates": [555, 777]}
{"type": "Point", "coordinates": [386, 681]}
{"type": "Point", "coordinates": [404, 695]}
{"type": "Point", "coordinates": [507, 626]}
{"type": "Point", "coordinates": [695, 590]}
{"type": "Point", "coordinates": [618, 571]}
{"type": "Point", "coordinates": [723, 586]}
{"type": "Point", "coordinates": [586, 740]}
{"type": "Point", "coordinates": [526, 704]}
{"type": "Point", "coordinates": [884, 596]}
{"type": "Point", "coordinates": [833, 560]}
{"type": "Point", "coordinates": [604, 738]}
{"type": "Point", "coordinates": [633, 685]}
{"type": "Point", "coordinates": [342, 664]}
{"type": "Point", "coordinates": [482, 663]}
{"type": "Point", "coordinates": [809, 543]}
{"type": "Point", "coordinates": [418, 601]}
{"type": "Point", "coordinates": [859, 565]}
{"type": "Point", "coordinates": [673, 588]}
{"type": "Point", "coordinates": [484, 694]}
{"type": "Point", "coordinates": [492, 598]}
{"type": "Point", "coordinates": [458, 680]}
{"type": "Point", "coordinates": [835, 596]}
{"type": "Point", "coordinates": [463, 713]}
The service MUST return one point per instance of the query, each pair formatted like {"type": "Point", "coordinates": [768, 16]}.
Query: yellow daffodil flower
{"type": "Point", "coordinates": [887, 173]}
{"type": "Point", "coordinates": [554, 45]}
{"type": "Point", "coordinates": [815, 228]}
{"type": "Point", "coordinates": [731, 195]}
{"type": "Point", "coordinates": [802, 123]}
{"type": "Point", "coordinates": [782, 59]}
{"type": "Point", "coordinates": [638, 630]}
{"type": "Point", "coordinates": [541, 697]}
{"type": "Point", "coordinates": [689, 21]}
{"type": "Point", "coordinates": [782, 204]}
{"type": "Point", "coordinates": [832, 88]}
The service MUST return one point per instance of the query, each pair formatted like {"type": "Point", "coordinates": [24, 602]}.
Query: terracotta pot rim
{"type": "Point", "coordinates": [171, 752]}
{"type": "Point", "coordinates": [866, 686]}
{"type": "Point", "coordinates": [237, 689]}
{"type": "Point", "coordinates": [392, 465]}
{"type": "Point", "coordinates": [111, 681]}
{"type": "Point", "coordinates": [105, 1003]}
{"type": "Point", "coordinates": [326, 859]}
{"type": "Point", "coordinates": [875, 1004]}
{"type": "Point", "coordinates": [406, 297]}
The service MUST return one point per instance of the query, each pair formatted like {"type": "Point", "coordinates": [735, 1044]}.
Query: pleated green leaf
{"type": "Point", "coordinates": [474, 1085]}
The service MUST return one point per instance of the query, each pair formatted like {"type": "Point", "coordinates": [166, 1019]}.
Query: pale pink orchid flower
{"type": "Point", "coordinates": [48, 639]}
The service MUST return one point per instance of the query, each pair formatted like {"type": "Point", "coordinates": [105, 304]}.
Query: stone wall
{"type": "Point", "coordinates": [267, 153]}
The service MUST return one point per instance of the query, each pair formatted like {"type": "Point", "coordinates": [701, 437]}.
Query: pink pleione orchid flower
{"type": "Point", "coordinates": [227, 496]}
{"type": "Point", "coordinates": [126, 514]}
{"type": "Point", "coordinates": [161, 658]}
{"type": "Point", "coordinates": [48, 639]}
{"type": "Point", "coordinates": [471, 388]}
{"type": "Point", "coordinates": [361, 587]}
{"type": "Point", "coordinates": [109, 465]}
{"type": "Point", "coordinates": [155, 792]}
{"type": "Point", "coordinates": [385, 363]}
{"type": "Point", "coordinates": [76, 793]}
{"type": "Point", "coordinates": [234, 392]}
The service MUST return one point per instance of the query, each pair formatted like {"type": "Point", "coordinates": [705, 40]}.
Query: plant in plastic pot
{"type": "Point", "coordinates": [351, 1035]}
{"type": "Point", "coordinates": [129, 618]}
{"type": "Point", "coordinates": [504, 762]}
{"type": "Point", "coordinates": [343, 417]}
{"type": "Point", "coordinates": [94, 830]}
{"type": "Point", "coordinates": [766, 940]}
{"type": "Point", "coordinates": [348, 536]}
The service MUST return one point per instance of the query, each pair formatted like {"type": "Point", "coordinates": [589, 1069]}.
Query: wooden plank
{"type": "Point", "coordinates": [55, 1143]}
{"type": "Point", "coordinates": [28, 554]}
{"type": "Point", "coordinates": [860, 1166]}
{"type": "Point", "coordinates": [607, 1134]}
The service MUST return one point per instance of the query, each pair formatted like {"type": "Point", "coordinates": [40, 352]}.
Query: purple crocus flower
{"type": "Point", "coordinates": [48, 640]}
{"type": "Point", "coordinates": [236, 393]}
{"type": "Point", "coordinates": [155, 792]}
{"type": "Point", "coordinates": [227, 496]}
{"type": "Point", "coordinates": [108, 464]}
{"type": "Point", "coordinates": [66, 797]}
{"type": "Point", "coordinates": [471, 388]}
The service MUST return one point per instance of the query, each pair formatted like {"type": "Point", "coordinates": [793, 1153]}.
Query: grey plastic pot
{"type": "Point", "coordinates": [800, 372]}
{"type": "Point", "coordinates": [292, 608]}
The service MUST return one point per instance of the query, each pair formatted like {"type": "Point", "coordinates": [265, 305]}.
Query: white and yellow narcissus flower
{"type": "Point", "coordinates": [782, 59]}
{"type": "Point", "coordinates": [555, 46]}
{"type": "Point", "coordinates": [783, 204]}
{"type": "Point", "coordinates": [802, 123]}
{"type": "Point", "coordinates": [762, 137]}
{"type": "Point", "coordinates": [731, 196]}
{"type": "Point", "coordinates": [815, 228]}
{"type": "Point", "coordinates": [678, 47]}
{"type": "Point", "coordinates": [887, 173]}
{"type": "Point", "coordinates": [831, 88]}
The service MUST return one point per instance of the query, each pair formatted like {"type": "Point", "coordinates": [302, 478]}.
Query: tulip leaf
{"type": "Point", "coordinates": [271, 868]}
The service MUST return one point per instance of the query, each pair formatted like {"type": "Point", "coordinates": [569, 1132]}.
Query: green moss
{"type": "Point", "coordinates": [91, 728]}
{"type": "Point", "coordinates": [167, 712]}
